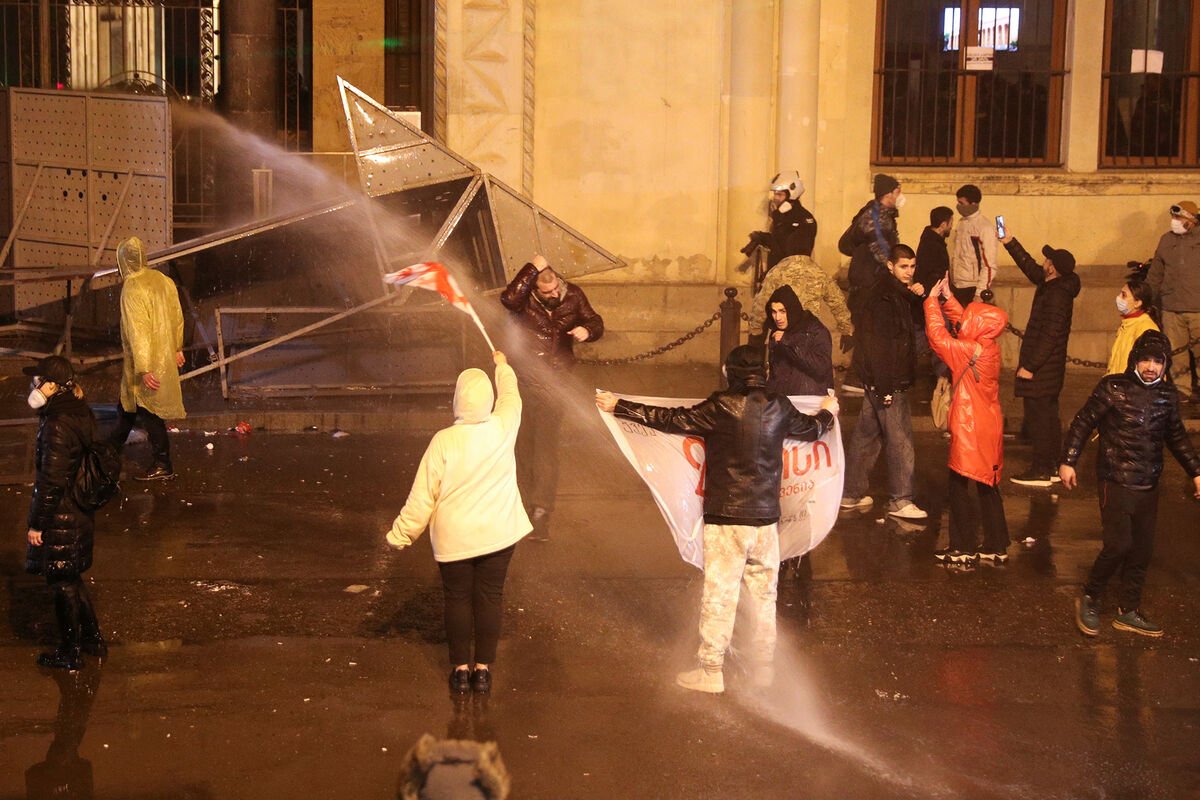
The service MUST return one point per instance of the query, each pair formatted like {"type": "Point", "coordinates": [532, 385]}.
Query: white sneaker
{"type": "Point", "coordinates": [850, 503]}
{"type": "Point", "coordinates": [909, 511]}
{"type": "Point", "coordinates": [702, 680]}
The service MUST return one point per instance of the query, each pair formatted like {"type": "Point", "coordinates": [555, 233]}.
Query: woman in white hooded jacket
{"type": "Point", "coordinates": [466, 492]}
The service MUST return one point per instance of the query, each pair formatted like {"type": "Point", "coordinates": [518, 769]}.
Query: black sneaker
{"type": "Point", "coordinates": [948, 556]}
{"type": "Point", "coordinates": [159, 473]}
{"type": "Point", "coordinates": [481, 681]}
{"type": "Point", "coordinates": [1034, 478]}
{"type": "Point", "coordinates": [540, 519]}
{"type": "Point", "coordinates": [1087, 617]}
{"type": "Point", "coordinates": [460, 680]}
{"type": "Point", "coordinates": [67, 658]}
{"type": "Point", "coordinates": [1134, 622]}
{"type": "Point", "coordinates": [97, 647]}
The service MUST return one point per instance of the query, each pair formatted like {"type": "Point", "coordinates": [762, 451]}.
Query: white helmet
{"type": "Point", "coordinates": [788, 182]}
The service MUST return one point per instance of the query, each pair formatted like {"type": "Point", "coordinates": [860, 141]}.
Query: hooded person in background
{"type": "Point", "coordinates": [465, 491]}
{"type": "Point", "coordinates": [1137, 412]}
{"type": "Point", "coordinates": [799, 347]}
{"type": "Point", "coordinates": [811, 286]}
{"type": "Point", "coordinates": [972, 247]}
{"type": "Point", "coordinates": [743, 428]}
{"type": "Point", "coordinates": [152, 342]}
{"type": "Point", "coordinates": [553, 315]}
{"type": "Point", "coordinates": [1042, 363]}
{"type": "Point", "coordinates": [793, 227]}
{"type": "Point", "coordinates": [1175, 278]}
{"type": "Point", "coordinates": [60, 532]}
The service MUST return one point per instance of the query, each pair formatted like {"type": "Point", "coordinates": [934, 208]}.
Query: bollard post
{"type": "Point", "coordinates": [731, 323]}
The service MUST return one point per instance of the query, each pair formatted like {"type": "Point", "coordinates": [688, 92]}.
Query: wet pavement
{"type": "Point", "coordinates": [266, 644]}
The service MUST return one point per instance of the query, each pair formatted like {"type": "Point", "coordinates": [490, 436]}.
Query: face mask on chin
{"type": "Point", "coordinates": [1177, 227]}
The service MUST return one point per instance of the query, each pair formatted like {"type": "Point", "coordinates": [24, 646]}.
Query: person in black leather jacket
{"type": "Point", "coordinates": [744, 428]}
{"type": "Point", "coordinates": [1137, 412]}
{"type": "Point", "coordinates": [60, 532]}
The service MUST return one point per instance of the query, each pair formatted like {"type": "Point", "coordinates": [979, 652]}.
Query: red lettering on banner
{"type": "Point", "coordinates": [812, 459]}
{"type": "Point", "coordinates": [690, 444]}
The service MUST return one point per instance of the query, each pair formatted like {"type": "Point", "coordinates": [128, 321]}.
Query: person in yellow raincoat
{"type": "Point", "coordinates": [152, 341]}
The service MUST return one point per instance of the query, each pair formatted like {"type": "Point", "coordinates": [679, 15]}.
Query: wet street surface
{"type": "Point", "coordinates": [265, 643]}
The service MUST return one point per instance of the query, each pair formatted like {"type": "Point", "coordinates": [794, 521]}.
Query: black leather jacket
{"type": "Point", "coordinates": [548, 328]}
{"type": "Point", "coordinates": [1135, 421]}
{"type": "Point", "coordinates": [743, 430]}
{"type": "Point", "coordinates": [66, 424]}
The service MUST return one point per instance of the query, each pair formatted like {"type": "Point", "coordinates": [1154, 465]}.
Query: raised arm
{"type": "Point", "coordinates": [508, 395]}
{"type": "Point", "coordinates": [1033, 270]}
{"type": "Point", "coordinates": [516, 295]}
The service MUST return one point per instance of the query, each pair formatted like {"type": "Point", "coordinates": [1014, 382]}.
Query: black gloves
{"type": "Point", "coordinates": [757, 238]}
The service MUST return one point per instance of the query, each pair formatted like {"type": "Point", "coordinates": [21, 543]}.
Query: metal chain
{"type": "Point", "coordinates": [1083, 362]}
{"type": "Point", "coordinates": [658, 351]}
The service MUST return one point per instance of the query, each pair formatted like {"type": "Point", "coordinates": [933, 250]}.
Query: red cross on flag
{"type": "Point", "coordinates": [434, 276]}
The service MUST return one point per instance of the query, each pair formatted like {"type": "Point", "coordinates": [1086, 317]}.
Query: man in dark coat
{"type": "Point", "coordinates": [59, 532]}
{"type": "Point", "coordinates": [799, 347]}
{"type": "Point", "coordinates": [743, 429]}
{"type": "Point", "coordinates": [1137, 412]}
{"type": "Point", "coordinates": [1043, 359]}
{"type": "Point", "coordinates": [933, 263]}
{"type": "Point", "coordinates": [552, 314]}
{"type": "Point", "coordinates": [884, 358]}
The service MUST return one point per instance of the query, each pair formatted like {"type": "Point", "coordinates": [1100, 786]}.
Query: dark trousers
{"type": "Point", "coordinates": [1129, 517]}
{"type": "Point", "coordinates": [1045, 430]}
{"type": "Point", "coordinates": [74, 612]}
{"type": "Point", "coordinates": [966, 516]}
{"type": "Point", "coordinates": [474, 590]}
{"type": "Point", "coordinates": [156, 432]}
{"type": "Point", "coordinates": [537, 446]}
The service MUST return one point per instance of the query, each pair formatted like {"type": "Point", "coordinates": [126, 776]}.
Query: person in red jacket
{"type": "Point", "coordinates": [976, 423]}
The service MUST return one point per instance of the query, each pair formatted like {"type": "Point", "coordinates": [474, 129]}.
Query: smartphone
{"type": "Point", "coordinates": [1000, 232]}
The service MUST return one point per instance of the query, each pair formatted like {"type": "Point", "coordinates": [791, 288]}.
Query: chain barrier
{"type": "Point", "coordinates": [658, 351]}
{"type": "Point", "coordinates": [708, 323]}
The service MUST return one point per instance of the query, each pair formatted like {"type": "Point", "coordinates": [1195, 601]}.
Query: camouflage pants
{"type": "Point", "coordinates": [737, 556]}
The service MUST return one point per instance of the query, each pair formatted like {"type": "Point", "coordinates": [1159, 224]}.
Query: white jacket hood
{"type": "Point", "coordinates": [473, 397]}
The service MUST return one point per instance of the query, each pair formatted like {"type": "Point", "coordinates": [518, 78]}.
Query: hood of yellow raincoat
{"type": "Point", "coordinates": [982, 321]}
{"type": "Point", "coordinates": [473, 397]}
{"type": "Point", "coordinates": [131, 257]}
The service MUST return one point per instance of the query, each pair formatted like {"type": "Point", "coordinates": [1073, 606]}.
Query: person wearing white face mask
{"type": "Point", "coordinates": [1175, 278]}
{"type": "Point", "coordinates": [972, 246]}
{"type": "Point", "coordinates": [1138, 315]}
{"type": "Point", "coordinates": [59, 535]}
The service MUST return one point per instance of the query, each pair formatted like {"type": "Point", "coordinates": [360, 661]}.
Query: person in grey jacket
{"type": "Point", "coordinates": [1175, 278]}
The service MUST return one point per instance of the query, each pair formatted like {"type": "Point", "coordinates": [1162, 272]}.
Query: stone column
{"type": "Point", "coordinates": [796, 126]}
{"type": "Point", "coordinates": [750, 125]}
{"type": "Point", "coordinates": [251, 61]}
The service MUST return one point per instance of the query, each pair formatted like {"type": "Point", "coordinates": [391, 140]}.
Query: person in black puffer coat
{"type": "Point", "coordinates": [799, 347]}
{"type": "Point", "coordinates": [1043, 360]}
{"type": "Point", "coordinates": [60, 532]}
{"type": "Point", "coordinates": [1137, 412]}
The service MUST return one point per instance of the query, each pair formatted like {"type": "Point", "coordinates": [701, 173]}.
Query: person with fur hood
{"type": "Point", "coordinates": [466, 492]}
{"type": "Point", "coordinates": [976, 423]}
{"type": "Point", "coordinates": [799, 347]}
{"type": "Point", "coordinates": [1137, 412]}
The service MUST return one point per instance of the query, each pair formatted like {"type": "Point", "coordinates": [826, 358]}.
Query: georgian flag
{"type": "Point", "coordinates": [434, 276]}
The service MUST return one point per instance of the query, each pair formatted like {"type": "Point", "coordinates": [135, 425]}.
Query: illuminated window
{"type": "Point", "coordinates": [947, 92]}
{"type": "Point", "coordinates": [1151, 84]}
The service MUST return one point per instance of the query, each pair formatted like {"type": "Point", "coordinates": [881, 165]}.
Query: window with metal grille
{"type": "Point", "coordinates": [1150, 115]}
{"type": "Point", "coordinates": [970, 82]}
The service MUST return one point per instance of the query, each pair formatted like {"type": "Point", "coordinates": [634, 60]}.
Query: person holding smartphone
{"type": "Point", "coordinates": [1042, 363]}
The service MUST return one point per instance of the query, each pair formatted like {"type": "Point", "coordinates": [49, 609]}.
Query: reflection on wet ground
{"type": "Point", "coordinates": [265, 644]}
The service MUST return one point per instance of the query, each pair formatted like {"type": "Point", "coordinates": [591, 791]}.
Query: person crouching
{"type": "Point", "coordinates": [466, 492]}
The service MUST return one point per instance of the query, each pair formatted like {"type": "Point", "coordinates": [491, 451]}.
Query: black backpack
{"type": "Point", "coordinates": [97, 481]}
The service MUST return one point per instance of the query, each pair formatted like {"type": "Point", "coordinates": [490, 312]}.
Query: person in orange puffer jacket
{"type": "Point", "coordinates": [976, 423]}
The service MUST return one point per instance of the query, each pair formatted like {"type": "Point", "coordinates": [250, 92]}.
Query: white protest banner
{"type": "Point", "coordinates": [672, 466]}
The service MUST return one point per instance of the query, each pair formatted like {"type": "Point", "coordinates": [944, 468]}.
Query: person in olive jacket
{"type": "Point", "coordinates": [1137, 412]}
{"type": "Point", "coordinates": [59, 532]}
{"type": "Point", "coordinates": [552, 315]}
{"type": "Point", "coordinates": [1043, 360]}
{"type": "Point", "coordinates": [743, 428]}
